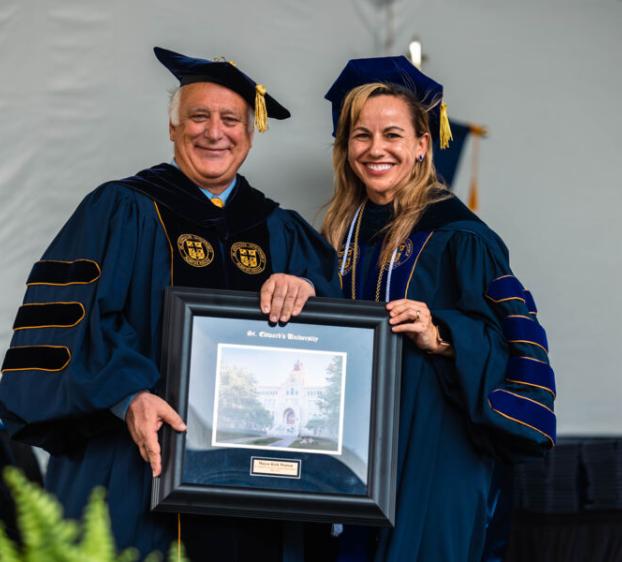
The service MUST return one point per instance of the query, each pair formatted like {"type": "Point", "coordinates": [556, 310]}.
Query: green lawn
{"type": "Point", "coordinates": [236, 435]}
{"type": "Point", "coordinates": [262, 441]}
{"type": "Point", "coordinates": [318, 443]}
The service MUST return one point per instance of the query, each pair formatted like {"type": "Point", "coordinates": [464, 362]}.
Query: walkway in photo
{"type": "Point", "coordinates": [285, 442]}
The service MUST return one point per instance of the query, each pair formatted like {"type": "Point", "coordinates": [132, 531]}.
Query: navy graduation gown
{"type": "Point", "coordinates": [88, 334]}
{"type": "Point", "coordinates": [459, 415]}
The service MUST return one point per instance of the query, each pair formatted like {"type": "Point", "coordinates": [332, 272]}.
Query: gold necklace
{"type": "Point", "coordinates": [379, 283]}
{"type": "Point", "coordinates": [355, 248]}
{"type": "Point", "coordinates": [357, 230]}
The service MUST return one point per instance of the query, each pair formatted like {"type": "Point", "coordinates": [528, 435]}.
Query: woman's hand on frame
{"type": "Point", "coordinates": [414, 319]}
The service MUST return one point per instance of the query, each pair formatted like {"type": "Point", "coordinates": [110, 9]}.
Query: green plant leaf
{"type": "Point", "coordinates": [47, 537]}
{"type": "Point", "coordinates": [97, 541]}
{"type": "Point", "coordinates": [176, 554]}
{"type": "Point", "coordinates": [154, 557]}
{"type": "Point", "coordinates": [39, 516]}
{"type": "Point", "coordinates": [128, 555]}
{"type": "Point", "coordinates": [8, 550]}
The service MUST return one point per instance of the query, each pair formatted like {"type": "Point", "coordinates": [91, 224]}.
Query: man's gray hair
{"type": "Point", "coordinates": [173, 110]}
{"type": "Point", "coordinates": [173, 106]}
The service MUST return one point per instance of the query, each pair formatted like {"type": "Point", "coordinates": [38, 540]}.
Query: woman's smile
{"type": "Point", "coordinates": [382, 148]}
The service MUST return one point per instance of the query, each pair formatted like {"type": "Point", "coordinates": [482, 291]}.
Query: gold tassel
{"type": "Point", "coordinates": [445, 129]}
{"type": "Point", "coordinates": [473, 186]}
{"type": "Point", "coordinates": [261, 113]}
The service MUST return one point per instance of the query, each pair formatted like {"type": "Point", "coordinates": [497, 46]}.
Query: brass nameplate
{"type": "Point", "coordinates": [283, 468]}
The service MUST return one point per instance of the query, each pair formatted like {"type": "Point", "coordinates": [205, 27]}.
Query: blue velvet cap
{"type": "Point", "coordinates": [189, 70]}
{"type": "Point", "coordinates": [388, 70]}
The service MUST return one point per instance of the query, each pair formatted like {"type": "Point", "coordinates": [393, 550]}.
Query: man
{"type": "Point", "coordinates": [81, 377]}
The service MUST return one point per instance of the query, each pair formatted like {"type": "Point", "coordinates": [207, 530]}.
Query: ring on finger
{"type": "Point", "coordinates": [417, 316]}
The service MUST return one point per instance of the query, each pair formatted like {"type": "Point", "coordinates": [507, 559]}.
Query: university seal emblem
{"type": "Point", "coordinates": [348, 265]}
{"type": "Point", "coordinates": [404, 252]}
{"type": "Point", "coordinates": [249, 257]}
{"type": "Point", "coordinates": [195, 251]}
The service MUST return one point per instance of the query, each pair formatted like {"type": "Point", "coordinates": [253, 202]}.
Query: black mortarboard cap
{"type": "Point", "coordinates": [392, 70]}
{"type": "Point", "coordinates": [219, 71]}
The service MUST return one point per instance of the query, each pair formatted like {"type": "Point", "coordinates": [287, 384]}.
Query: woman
{"type": "Point", "coordinates": [476, 383]}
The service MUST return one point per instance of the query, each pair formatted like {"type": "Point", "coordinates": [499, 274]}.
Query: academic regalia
{"type": "Point", "coordinates": [88, 334]}
{"type": "Point", "coordinates": [459, 416]}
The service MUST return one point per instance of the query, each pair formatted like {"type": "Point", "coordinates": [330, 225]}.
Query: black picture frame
{"type": "Point", "coordinates": [375, 505]}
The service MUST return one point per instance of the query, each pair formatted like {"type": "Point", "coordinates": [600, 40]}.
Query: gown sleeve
{"type": "Point", "coordinates": [299, 250]}
{"type": "Point", "coordinates": [501, 372]}
{"type": "Point", "coordinates": [74, 354]}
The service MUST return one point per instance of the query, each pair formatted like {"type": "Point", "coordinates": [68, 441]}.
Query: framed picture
{"type": "Point", "coordinates": [295, 422]}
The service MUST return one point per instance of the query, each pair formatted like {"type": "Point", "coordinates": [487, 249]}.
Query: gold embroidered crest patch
{"type": "Point", "coordinates": [348, 265]}
{"type": "Point", "coordinates": [404, 252]}
{"type": "Point", "coordinates": [249, 257]}
{"type": "Point", "coordinates": [195, 251]}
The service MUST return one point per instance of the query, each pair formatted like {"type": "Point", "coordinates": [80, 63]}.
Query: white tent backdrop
{"type": "Point", "coordinates": [83, 100]}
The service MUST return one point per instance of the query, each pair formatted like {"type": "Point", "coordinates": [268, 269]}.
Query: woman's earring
{"type": "Point", "coordinates": [420, 158]}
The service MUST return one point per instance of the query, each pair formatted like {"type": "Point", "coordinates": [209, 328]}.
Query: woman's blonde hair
{"type": "Point", "coordinates": [420, 190]}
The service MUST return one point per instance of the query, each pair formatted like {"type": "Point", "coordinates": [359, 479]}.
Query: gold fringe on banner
{"type": "Point", "coordinates": [473, 201]}
{"type": "Point", "coordinates": [479, 130]}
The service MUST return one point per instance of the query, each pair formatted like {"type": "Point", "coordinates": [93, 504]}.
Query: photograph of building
{"type": "Point", "coordinates": [279, 399]}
